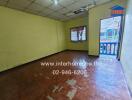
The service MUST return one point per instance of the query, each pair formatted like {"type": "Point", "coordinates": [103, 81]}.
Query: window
{"type": "Point", "coordinates": [78, 34]}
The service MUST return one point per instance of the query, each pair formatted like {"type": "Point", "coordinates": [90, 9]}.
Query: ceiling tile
{"type": "Point", "coordinates": [56, 7]}
{"type": "Point", "coordinates": [86, 1]}
{"type": "Point", "coordinates": [79, 4]}
{"type": "Point", "coordinates": [77, 15]}
{"type": "Point", "coordinates": [47, 11]}
{"type": "Point", "coordinates": [35, 7]}
{"type": "Point", "coordinates": [53, 17]}
{"type": "Point", "coordinates": [54, 14]}
{"type": "Point", "coordinates": [18, 3]}
{"type": "Point", "coordinates": [65, 19]}
{"type": "Point", "coordinates": [64, 11]}
{"type": "Point", "coordinates": [45, 3]}
{"type": "Point", "coordinates": [32, 11]}
{"type": "Point", "coordinates": [66, 3]}
{"type": "Point", "coordinates": [101, 1]}
{"type": "Point", "coordinates": [57, 14]}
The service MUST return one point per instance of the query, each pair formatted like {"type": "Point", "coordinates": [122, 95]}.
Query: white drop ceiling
{"type": "Point", "coordinates": [47, 8]}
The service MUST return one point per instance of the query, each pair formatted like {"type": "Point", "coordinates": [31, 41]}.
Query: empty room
{"type": "Point", "coordinates": [65, 50]}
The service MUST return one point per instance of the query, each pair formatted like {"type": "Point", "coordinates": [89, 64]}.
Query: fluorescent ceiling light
{"type": "Point", "coordinates": [55, 2]}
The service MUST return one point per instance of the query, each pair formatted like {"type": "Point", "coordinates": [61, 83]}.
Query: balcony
{"type": "Point", "coordinates": [108, 48]}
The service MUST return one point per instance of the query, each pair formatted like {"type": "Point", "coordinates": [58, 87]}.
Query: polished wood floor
{"type": "Point", "coordinates": [103, 79]}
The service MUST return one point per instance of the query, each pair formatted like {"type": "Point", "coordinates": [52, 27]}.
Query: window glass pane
{"type": "Point", "coordinates": [84, 34]}
{"type": "Point", "coordinates": [78, 34]}
{"type": "Point", "coordinates": [74, 36]}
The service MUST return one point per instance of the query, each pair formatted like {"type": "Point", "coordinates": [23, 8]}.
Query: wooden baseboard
{"type": "Point", "coordinates": [93, 55]}
{"type": "Point", "coordinates": [77, 50]}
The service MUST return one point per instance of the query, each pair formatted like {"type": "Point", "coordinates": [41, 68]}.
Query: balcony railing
{"type": "Point", "coordinates": [108, 48]}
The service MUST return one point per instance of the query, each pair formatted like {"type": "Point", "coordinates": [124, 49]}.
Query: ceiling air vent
{"type": "Point", "coordinates": [82, 9]}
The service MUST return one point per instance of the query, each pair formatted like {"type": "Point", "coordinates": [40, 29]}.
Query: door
{"type": "Point", "coordinates": [110, 31]}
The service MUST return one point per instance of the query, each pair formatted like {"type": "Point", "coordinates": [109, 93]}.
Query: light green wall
{"type": "Point", "coordinates": [126, 54]}
{"type": "Point", "coordinates": [95, 15]}
{"type": "Point", "coordinates": [81, 21]}
{"type": "Point", "coordinates": [25, 37]}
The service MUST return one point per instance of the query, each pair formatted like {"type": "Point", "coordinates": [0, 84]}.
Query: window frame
{"type": "Point", "coordinates": [78, 40]}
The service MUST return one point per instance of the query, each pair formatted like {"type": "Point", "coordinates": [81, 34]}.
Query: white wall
{"type": "Point", "coordinates": [126, 54]}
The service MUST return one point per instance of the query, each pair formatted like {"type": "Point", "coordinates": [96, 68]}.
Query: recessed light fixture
{"type": "Point", "coordinates": [56, 2]}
